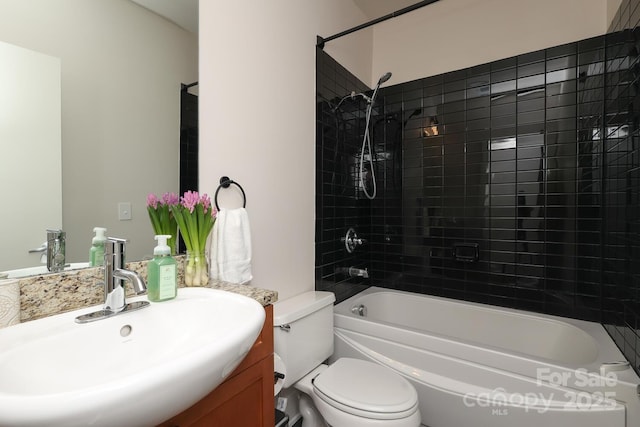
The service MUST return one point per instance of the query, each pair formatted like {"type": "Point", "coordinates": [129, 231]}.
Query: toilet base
{"type": "Point", "coordinates": [310, 415]}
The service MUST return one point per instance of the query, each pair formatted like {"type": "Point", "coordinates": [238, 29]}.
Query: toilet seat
{"type": "Point", "coordinates": [366, 389]}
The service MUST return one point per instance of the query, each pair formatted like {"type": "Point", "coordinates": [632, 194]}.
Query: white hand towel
{"type": "Point", "coordinates": [231, 246]}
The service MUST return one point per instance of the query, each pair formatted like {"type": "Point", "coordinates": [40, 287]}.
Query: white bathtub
{"type": "Point", "coordinates": [479, 365]}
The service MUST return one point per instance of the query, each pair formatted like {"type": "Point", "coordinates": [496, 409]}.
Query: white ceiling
{"type": "Point", "coordinates": [185, 12]}
{"type": "Point", "coordinates": [182, 12]}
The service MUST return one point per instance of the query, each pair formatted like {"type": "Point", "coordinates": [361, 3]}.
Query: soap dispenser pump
{"type": "Point", "coordinates": [96, 253]}
{"type": "Point", "coordinates": [162, 281]}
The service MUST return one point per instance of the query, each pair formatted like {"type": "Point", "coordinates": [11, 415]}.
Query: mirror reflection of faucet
{"type": "Point", "coordinates": [53, 250]}
{"type": "Point", "coordinates": [56, 242]}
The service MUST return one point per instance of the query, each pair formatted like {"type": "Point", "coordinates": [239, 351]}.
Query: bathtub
{"type": "Point", "coordinates": [479, 365]}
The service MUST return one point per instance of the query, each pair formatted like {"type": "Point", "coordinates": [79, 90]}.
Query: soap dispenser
{"type": "Point", "coordinates": [162, 280]}
{"type": "Point", "coordinates": [96, 253]}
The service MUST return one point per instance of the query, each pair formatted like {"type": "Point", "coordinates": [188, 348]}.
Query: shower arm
{"type": "Point", "coordinates": [353, 96]}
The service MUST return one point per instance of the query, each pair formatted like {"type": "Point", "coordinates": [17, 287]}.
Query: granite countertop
{"type": "Point", "coordinates": [50, 294]}
{"type": "Point", "coordinates": [263, 296]}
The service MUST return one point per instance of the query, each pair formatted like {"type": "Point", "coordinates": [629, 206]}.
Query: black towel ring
{"type": "Point", "coordinates": [225, 182]}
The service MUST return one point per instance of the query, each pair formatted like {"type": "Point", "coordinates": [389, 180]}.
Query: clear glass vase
{"type": "Point", "coordinates": [196, 269]}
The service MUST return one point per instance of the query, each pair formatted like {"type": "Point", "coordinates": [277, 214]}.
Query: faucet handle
{"type": "Point", "coordinates": [41, 248]}
{"type": "Point", "coordinates": [53, 234]}
{"type": "Point", "coordinates": [351, 240]}
{"type": "Point", "coordinates": [114, 251]}
{"type": "Point", "coordinates": [116, 244]}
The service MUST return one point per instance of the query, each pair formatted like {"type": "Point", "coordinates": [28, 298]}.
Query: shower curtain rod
{"type": "Point", "coordinates": [187, 86]}
{"type": "Point", "coordinates": [321, 41]}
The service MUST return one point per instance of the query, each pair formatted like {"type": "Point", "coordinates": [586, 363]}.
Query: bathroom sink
{"type": "Point", "coordinates": [134, 369]}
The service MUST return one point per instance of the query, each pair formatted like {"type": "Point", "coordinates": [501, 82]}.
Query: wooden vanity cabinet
{"type": "Point", "coordinates": [245, 399]}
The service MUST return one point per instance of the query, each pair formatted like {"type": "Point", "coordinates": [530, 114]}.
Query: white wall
{"type": "Point", "coordinates": [612, 8]}
{"type": "Point", "coordinates": [121, 72]}
{"type": "Point", "coordinates": [257, 121]}
{"type": "Point", "coordinates": [454, 34]}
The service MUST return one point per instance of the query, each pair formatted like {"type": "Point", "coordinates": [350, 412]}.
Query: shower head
{"type": "Point", "coordinates": [386, 76]}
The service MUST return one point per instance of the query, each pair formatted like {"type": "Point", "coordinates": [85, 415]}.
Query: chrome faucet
{"type": "Point", "coordinates": [56, 241]}
{"type": "Point", "coordinates": [115, 276]}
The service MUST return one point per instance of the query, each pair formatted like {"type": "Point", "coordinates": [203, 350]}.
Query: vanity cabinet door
{"type": "Point", "coordinates": [245, 399]}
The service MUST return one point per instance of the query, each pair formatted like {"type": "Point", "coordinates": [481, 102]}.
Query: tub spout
{"type": "Point", "coordinates": [358, 272]}
{"type": "Point", "coordinates": [353, 272]}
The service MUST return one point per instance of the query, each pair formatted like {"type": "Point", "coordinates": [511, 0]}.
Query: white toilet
{"type": "Point", "coordinates": [348, 393]}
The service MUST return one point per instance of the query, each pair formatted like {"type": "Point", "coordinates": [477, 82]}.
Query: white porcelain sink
{"type": "Point", "coordinates": [134, 369]}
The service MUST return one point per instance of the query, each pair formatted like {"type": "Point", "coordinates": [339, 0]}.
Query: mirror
{"type": "Point", "coordinates": [121, 70]}
{"type": "Point", "coordinates": [30, 87]}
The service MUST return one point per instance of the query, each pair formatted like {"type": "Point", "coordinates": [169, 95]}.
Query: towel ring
{"type": "Point", "coordinates": [225, 182]}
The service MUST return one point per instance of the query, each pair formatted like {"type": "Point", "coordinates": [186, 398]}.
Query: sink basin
{"type": "Point", "coordinates": [134, 369]}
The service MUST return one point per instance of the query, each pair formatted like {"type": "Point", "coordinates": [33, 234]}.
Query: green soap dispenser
{"type": "Point", "coordinates": [162, 280]}
{"type": "Point", "coordinates": [96, 253]}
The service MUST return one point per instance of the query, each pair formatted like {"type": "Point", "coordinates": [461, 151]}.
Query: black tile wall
{"type": "Point", "coordinates": [188, 146]}
{"type": "Point", "coordinates": [188, 141]}
{"type": "Point", "coordinates": [339, 202]}
{"type": "Point", "coordinates": [531, 161]}
{"type": "Point", "coordinates": [621, 173]}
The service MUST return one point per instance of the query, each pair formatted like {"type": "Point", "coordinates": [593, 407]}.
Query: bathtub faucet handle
{"type": "Point", "coordinates": [351, 240]}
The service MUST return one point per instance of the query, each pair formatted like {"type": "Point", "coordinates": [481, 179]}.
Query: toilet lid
{"type": "Point", "coordinates": [366, 389]}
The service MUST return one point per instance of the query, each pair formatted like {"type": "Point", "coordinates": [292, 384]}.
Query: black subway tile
{"type": "Point", "coordinates": [520, 164]}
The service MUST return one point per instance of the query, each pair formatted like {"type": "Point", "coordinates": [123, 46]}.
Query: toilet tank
{"type": "Point", "coordinates": [303, 333]}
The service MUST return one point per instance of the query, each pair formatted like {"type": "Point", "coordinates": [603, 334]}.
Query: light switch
{"type": "Point", "coordinates": [124, 211]}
